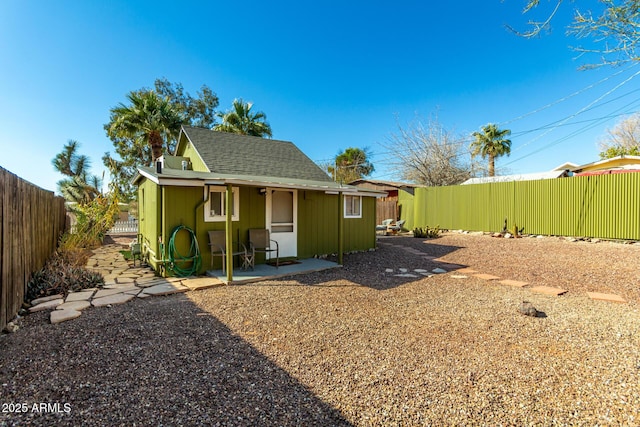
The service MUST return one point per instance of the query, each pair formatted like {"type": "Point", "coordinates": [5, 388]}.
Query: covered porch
{"type": "Point", "coordinates": [266, 271]}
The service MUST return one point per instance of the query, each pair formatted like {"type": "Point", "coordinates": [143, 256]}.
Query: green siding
{"type": "Point", "coordinates": [162, 210]}
{"type": "Point", "coordinates": [317, 223]}
{"type": "Point", "coordinates": [149, 217]}
{"type": "Point", "coordinates": [187, 150]}
{"type": "Point", "coordinates": [360, 233]}
{"type": "Point", "coordinates": [603, 206]}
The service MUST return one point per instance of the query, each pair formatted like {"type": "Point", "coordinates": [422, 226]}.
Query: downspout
{"type": "Point", "coordinates": [198, 206]}
{"type": "Point", "coordinates": [229, 232]}
{"type": "Point", "coordinates": [163, 225]}
{"type": "Point", "coordinates": [340, 226]}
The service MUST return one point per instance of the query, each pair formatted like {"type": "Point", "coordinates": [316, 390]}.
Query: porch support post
{"type": "Point", "coordinates": [229, 232]}
{"type": "Point", "coordinates": [340, 226]}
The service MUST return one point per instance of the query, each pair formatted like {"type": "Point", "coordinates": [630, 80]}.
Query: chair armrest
{"type": "Point", "coordinates": [218, 247]}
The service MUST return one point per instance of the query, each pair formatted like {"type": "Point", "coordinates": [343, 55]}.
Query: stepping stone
{"type": "Point", "coordinates": [112, 300]}
{"type": "Point", "coordinates": [403, 270]}
{"type": "Point", "coordinates": [459, 276]}
{"type": "Point", "coordinates": [450, 266]}
{"type": "Point", "coordinates": [47, 305]}
{"type": "Point", "coordinates": [439, 270]}
{"type": "Point", "coordinates": [549, 290]}
{"type": "Point", "coordinates": [200, 283]}
{"type": "Point", "coordinates": [45, 299]}
{"type": "Point", "coordinates": [134, 292]}
{"type": "Point", "coordinates": [606, 297]}
{"type": "Point", "coordinates": [516, 283]}
{"type": "Point", "coordinates": [485, 276]}
{"type": "Point", "coordinates": [467, 270]}
{"type": "Point", "coordinates": [125, 279]}
{"type": "Point", "coordinates": [428, 274]}
{"type": "Point", "coordinates": [388, 270]}
{"type": "Point", "coordinates": [107, 292]}
{"type": "Point", "coordinates": [154, 282]}
{"type": "Point", "coordinates": [74, 305]}
{"type": "Point", "coordinates": [406, 275]}
{"type": "Point", "coordinates": [79, 296]}
{"type": "Point", "coordinates": [165, 289]}
{"type": "Point", "coordinates": [58, 316]}
{"type": "Point", "coordinates": [429, 257]}
{"type": "Point", "coordinates": [421, 270]}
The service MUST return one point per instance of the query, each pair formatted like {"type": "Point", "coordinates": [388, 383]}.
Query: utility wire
{"type": "Point", "coordinates": [591, 86]}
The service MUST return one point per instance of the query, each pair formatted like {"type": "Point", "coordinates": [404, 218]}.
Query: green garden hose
{"type": "Point", "coordinates": [181, 265]}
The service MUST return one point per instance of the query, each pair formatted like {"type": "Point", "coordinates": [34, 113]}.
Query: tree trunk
{"type": "Point", "coordinates": [155, 141]}
{"type": "Point", "coordinates": [492, 166]}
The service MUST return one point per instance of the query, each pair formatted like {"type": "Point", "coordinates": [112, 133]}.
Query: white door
{"type": "Point", "coordinates": [282, 215]}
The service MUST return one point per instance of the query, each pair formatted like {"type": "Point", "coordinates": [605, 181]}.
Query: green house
{"type": "Point", "coordinates": [230, 182]}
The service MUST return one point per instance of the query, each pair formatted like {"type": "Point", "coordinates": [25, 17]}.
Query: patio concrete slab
{"type": "Point", "coordinates": [266, 272]}
{"type": "Point", "coordinates": [485, 276]}
{"type": "Point", "coordinates": [74, 305]}
{"type": "Point", "coordinates": [516, 283]}
{"type": "Point", "coordinates": [58, 316]}
{"type": "Point", "coordinates": [548, 290]}
{"type": "Point", "coordinates": [112, 300]}
{"type": "Point", "coordinates": [606, 297]}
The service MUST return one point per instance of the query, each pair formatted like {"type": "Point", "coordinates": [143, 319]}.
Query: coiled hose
{"type": "Point", "coordinates": [181, 265]}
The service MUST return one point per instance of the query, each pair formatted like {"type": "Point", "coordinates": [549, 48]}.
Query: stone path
{"type": "Point", "coordinates": [123, 282]}
{"type": "Point", "coordinates": [462, 272]}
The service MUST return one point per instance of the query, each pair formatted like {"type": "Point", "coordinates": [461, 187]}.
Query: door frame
{"type": "Point", "coordinates": [288, 241]}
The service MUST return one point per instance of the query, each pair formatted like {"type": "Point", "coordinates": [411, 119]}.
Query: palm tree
{"type": "Point", "coordinates": [149, 119]}
{"type": "Point", "coordinates": [351, 164]}
{"type": "Point", "coordinates": [491, 143]}
{"type": "Point", "coordinates": [240, 119]}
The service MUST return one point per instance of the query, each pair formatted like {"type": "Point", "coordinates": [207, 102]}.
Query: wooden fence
{"type": "Point", "coordinates": [31, 222]}
{"type": "Point", "coordinates": [604, 206]}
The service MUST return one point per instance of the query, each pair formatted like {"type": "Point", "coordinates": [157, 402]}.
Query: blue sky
{"type": "Point", "coordinates": [329, 75]}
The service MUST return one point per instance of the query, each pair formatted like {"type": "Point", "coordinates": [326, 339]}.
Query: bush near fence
{"type": "Point", "coordinates": [602, 206]}
{"type": "Point", "coordinates": [32, 220]}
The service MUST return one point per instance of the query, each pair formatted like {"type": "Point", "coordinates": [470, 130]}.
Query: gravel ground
{"type": "Point", "coordinates": [352, 346]}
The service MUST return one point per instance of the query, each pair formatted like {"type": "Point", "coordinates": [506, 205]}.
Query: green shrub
{"type": "Point", "coordinates": [427, 232]}
{"type": "Point", "coordinates": [93, 220]}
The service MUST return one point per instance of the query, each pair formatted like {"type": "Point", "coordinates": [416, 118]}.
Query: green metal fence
{"type": "Point", "coordinates": [603, 206]}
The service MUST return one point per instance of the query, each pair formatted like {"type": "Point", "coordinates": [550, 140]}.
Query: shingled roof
{"type": "Point", "coordinates": [229, 153]}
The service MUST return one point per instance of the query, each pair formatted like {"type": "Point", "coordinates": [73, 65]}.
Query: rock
{"type": "Point", "coordinates": [528, 309]}
{"type": "Point", "coordinates": [11, 327]}
{"type": "Point", "coordinates": [508, 236]}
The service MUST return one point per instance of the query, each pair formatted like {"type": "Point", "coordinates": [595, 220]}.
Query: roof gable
{"type": "Point", "coordinates": [229, 153]}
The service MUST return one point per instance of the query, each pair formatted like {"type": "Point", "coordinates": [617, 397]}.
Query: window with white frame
{"type": "Point", "coordinates": [353, 206]}
{"type": "Point", "coordinates": [215, 209]}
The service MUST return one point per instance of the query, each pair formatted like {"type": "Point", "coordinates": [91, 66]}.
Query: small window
{"type": "Point", "coordinates": [353, 206]}
{"type": "Point", "coordinates": [215, 210]}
